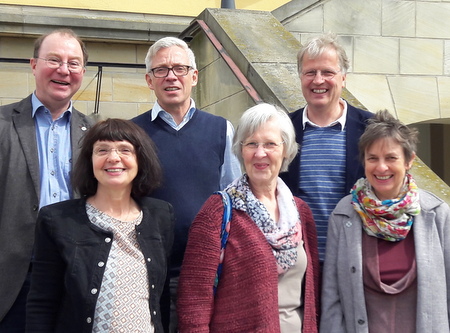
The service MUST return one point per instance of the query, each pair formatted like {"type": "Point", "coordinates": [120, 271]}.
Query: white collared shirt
{"type": "Point", "coordinates": [341, 120]}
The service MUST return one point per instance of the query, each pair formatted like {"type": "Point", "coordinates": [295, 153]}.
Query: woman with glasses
{"type": "Point", "coordinates": [100, 262]}
{"type": "Point", "coordinates": [269, 270]}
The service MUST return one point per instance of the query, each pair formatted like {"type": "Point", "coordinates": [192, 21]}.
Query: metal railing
{"type": "Point", "coordinates": [98, 75]}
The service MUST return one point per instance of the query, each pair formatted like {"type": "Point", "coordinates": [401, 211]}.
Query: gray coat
{"type": "Point", "coordinates": [19, 192]}
{"type": "Point", "coordinates": [343, 304]}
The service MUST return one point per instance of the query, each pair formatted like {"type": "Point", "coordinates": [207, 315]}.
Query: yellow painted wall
{"type": "Point", "coordinates": [161, 7]}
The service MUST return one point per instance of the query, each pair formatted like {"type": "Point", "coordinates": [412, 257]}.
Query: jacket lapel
{"type": "Point", "coordinates": [78, 127]}
{"type": "Point", "coordinates": [26, 131]}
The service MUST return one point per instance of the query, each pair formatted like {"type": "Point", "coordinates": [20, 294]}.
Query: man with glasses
{"type": "Point", "coordinates": [328, 130]}
{"type": "Point", "coordinates": [38, 146]}
{"type": "Point", "coordinates": [194, 146]}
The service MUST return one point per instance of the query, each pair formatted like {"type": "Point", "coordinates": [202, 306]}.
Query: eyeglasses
{"type": "Point", "coordinates": [73, 66]}
{"type": "Point", "coordinates": [121, 151]}
{"type": "Point", "coordinates": [267, 146]}
{"type": "Point", "coordinates": [180, 70]}
{"type": "Point", "coordinates": [326, 74]}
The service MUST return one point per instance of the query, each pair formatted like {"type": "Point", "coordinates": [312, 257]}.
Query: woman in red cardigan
{"type": "Point", "coordinates": [270, 270]}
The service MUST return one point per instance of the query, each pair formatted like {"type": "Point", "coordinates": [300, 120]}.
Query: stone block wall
{"type": "Point", "coordinates": [124, 92]}
{"type": "Point", "coordinates": [399, 53]}
{"type": "Point", "coordinates": [218, 90]}
{"type": "Point", "coordinates": [399, 50]}
{"type": "Point", "coordinates": [112, 37]}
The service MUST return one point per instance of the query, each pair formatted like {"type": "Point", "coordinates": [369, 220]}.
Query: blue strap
{"type": "Point", "coordinates": [227, 207]}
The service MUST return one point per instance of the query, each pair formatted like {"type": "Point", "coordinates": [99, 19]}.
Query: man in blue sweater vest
{"type": "Point", "coordinates": [328, 131]}
{"type": "Point", "coordinates": [194, 147]}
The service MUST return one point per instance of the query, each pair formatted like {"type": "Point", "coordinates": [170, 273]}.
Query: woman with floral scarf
{"type": "Point", "coordinates": [270, 268]}
{"type": "Point", "coordinates": [387, 263]}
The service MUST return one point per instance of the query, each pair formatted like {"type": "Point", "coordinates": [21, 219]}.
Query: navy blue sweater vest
{"type": "Point", "coordinates": [191, 159]}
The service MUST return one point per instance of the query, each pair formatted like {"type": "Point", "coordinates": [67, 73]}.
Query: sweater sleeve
{"type": "Point", "coordinates": [312, 283]}
{"type": "Point", "coordinates": [195, 303]}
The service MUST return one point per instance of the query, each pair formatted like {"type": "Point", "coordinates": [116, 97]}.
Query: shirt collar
{"type": "Point", "coordinates": [341, 120]}
{"type": "Point", "coordinates": [36, 104]}
{"type": "Point", "coordinates": [157, 109]}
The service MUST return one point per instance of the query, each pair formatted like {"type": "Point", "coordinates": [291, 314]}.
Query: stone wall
{"type": "Point", "coordinates": [218, 90]}
{"type": "Point", "coordinates": [399, 50]}
{"type": "Point", "coordinates": [399, 54]}
{"type": "Point", "coordinates": [122, 38]}
{"type": "Point", "coordinates": [124, 92]}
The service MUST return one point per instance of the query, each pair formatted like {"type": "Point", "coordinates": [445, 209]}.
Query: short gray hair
{"type": "Point", "coordinates": [314, 47]}
{"type": "Point", "coordinates": [254, 118]}
{"type": "Point", "coordinates": [164, 43]}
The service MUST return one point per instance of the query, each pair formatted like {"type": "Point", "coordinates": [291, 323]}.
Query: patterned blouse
{"type": "Point", "coordinates": [123, 300]}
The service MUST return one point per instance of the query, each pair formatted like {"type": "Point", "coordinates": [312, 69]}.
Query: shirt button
{"type": "Point", "coordinates": [107, 240]}
{"type": "Point", "coordinates": [361, 321]}
{"type": "Point", "coordinates": [89, 320]}
{"type": "Point", "coordinates": [348, 224]}
{"type": "Point", "coordinates": [353, 270]}
{"type": "Point", "coordinates": [52, 173]}
{"type": "Point", "coordinates": [101, 264]}
{"type": "Point", "coordinates": [154, 313]}
{"type": "Point", "coordinates": [149, 259]}
{"type": "Point", "coordinates": [94, 291]}
{"type": "Point", "coordinates": [54, 195]}
{"type": "Point", "coordinates": [153, 286]}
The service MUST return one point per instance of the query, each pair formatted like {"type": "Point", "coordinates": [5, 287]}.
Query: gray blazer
{"type": "Point", "coordinates": [19, 192]}
{"type": "Point", "coordinates": [343, 304]}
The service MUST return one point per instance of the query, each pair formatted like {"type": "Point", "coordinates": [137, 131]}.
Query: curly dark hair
{"type": "Point", "coordinates": [149, 174]}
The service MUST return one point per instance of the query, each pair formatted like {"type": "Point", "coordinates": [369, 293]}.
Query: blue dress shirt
{"type": "Point", "coordinates": [55, 153]}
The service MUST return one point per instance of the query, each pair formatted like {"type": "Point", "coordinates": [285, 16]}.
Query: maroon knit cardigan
{"type": "Point", "coordinates": [247, 294]}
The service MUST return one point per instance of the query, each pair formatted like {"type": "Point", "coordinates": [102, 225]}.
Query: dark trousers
{"type": "Point", "coordinates": [14, 321]}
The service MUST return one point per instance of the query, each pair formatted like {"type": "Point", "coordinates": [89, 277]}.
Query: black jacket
{"type": "Point", "coordinates": [66, 268]}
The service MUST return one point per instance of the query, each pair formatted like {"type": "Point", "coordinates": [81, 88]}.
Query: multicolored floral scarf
{"type": "Point", "coordinates": [392, 219]}
{"type": "Point", "coordinates": [285, 236]}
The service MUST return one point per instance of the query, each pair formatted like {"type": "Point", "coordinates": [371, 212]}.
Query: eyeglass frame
{"type": "Point", "coordinates": [309, 74]}
{"type": "Point", "coordinates": [109, 150]}
{"type": "Point", "coordinates": [186, 67]}
{"type": "Point", "coordinates": [263, 144]}
{"type": "Point", "coordinates": [60, 63]}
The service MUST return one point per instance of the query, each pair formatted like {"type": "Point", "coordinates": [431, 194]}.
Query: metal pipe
{"type": "Point", "coordinates": [227, 4]}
